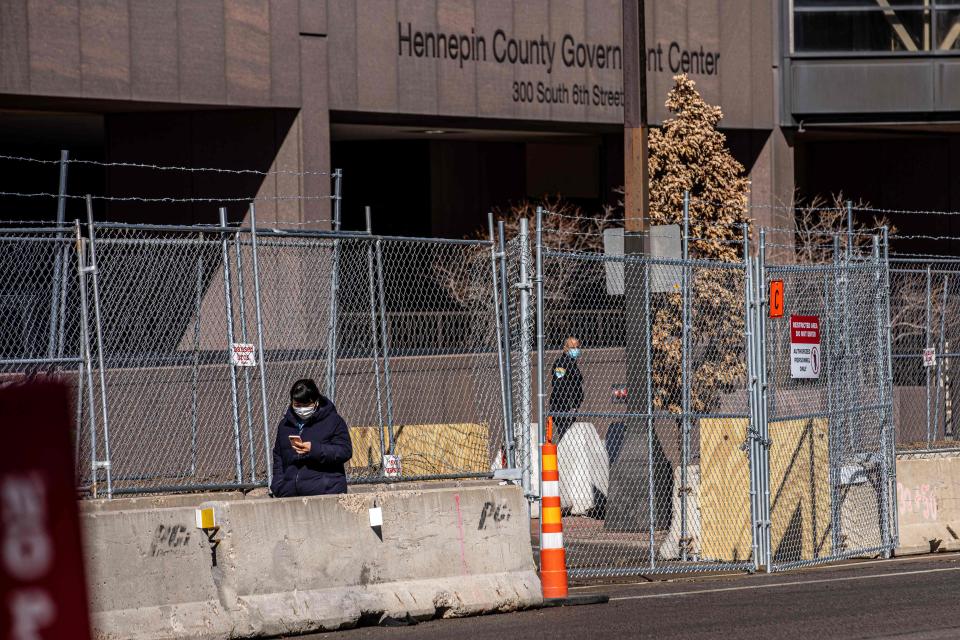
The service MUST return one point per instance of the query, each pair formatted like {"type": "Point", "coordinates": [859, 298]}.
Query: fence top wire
{"type": "Point", "coordinates": [163, 199]}
{"type": "Point", "coordinates": [158, 167]}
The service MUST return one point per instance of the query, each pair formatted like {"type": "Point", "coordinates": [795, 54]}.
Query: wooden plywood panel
{"type": "Point", "coordinates": [724, 490]}
{"type": "Point", "coordinates": [799, 490]}
{"type": "Point", "coordinates": [427, 449]}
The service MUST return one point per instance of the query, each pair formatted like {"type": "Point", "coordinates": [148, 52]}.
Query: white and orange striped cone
{"type": "Point", "coordinates": [553, 559]}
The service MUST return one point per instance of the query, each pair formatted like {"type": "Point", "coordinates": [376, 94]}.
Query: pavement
{"type": "Point", "coordinates": [905, 598]}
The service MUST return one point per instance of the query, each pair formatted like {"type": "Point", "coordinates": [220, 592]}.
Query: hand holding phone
{"type": "Point", "coordinates": [299, 445]}
{"type": "Point", "coordinates": [295, 440]}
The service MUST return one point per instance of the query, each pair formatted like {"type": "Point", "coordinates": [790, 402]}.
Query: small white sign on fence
{"type": "Point", "coordinates": [243, 354]}
{"type": "Point", "coordinates": [392, 468]}
{"type": "Point", "coordinates": [929, 357]}
{"type": "Point", "coordinates": [805, 347]}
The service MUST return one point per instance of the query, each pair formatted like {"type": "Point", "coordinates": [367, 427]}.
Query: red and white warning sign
{"type": "Point", "coordinates": [805, 347]}
{"type": "Point", "coordinates": [244, 355]}
{"type": "Point", "coordinates": [392, 466]}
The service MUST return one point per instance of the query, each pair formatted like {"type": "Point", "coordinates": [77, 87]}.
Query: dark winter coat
{"type": "Point", "coordinates": [320, 471]}
{"type": "Point", "coordinates": [566, 393]}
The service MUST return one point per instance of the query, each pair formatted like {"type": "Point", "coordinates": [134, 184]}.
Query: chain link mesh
{"type": "Point", "coordinates": [924, 305]}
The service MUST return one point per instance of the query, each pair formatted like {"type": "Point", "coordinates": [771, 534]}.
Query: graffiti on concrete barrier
{"type": "Point", "coordinates": [498, 512]}
{"type": "Point", "coordinates": [919, 500]}
{"type": "Point", "coordinates": [168, 539]}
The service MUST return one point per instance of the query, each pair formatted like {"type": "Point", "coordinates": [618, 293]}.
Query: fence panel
{"type": "Point", "coordinates": [924, 306]}
{"type": "Point", "coordinates": [652, 474]}
{"type": "Point", "coordinates": [829, 413]}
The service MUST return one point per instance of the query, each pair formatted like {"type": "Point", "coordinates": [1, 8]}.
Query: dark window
{"type": "Point", "coordinates": [875, 26]}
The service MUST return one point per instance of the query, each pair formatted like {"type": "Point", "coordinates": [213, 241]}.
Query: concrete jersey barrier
{"type": "Point", "coordinates": [307, 564]}
{"type": "Point", "coordinates": [928, 502]}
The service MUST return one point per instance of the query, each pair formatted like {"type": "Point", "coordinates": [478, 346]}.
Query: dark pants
{"type": "Point", "coordinates": [560, 426]}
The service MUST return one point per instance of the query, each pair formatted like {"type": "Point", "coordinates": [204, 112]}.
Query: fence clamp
{"type": "Point", "coordinates": [101, 464]}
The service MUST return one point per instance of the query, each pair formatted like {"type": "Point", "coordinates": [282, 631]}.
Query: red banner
{"type": "Point", "coordinates": [43, 592]}
{"type": "Point", "coordinates": [805, 329]}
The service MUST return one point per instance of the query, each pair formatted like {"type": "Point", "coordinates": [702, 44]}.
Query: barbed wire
{"type": "Point", "coordinates": [158, 167]}
{"type": "Point", "coordinates": [162, 199]}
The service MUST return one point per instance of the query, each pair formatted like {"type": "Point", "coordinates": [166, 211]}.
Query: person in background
{"type": "Point", "coordinates": [566, 392]}
{"type": "Point", "coordinates": [312, 446]}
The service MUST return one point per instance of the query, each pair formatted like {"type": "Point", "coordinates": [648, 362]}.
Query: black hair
{"type": "Point", "coordinates": [304, 391]}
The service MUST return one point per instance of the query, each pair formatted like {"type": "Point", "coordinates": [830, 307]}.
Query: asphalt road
{"type": "Point", "coordinates": [908, 598]}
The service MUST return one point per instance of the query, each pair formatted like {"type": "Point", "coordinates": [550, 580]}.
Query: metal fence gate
{"type": "Point", "coordinates": [696, 443]}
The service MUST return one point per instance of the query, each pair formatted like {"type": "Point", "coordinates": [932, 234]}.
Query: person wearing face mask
{"type": "Point", "coordinates": [312, 446]}
{"type": "Point", "coordinates": [566, 392]}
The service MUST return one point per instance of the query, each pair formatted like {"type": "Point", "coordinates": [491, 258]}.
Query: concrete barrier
{"type": "Point", "coordinates": [928, 502]}
{"type": "Point", "coordinates": [297, 565]}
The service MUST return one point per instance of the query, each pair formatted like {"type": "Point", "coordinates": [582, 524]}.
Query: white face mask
{"type": "Point", "coordinates": [304, 412]}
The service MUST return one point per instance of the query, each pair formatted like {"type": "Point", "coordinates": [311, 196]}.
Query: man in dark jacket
{"type": "Point", "coordinates": [312, 445]}
{"type": "Point", "coordinates": [566, 392]}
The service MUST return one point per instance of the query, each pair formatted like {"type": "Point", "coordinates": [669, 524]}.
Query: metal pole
{"type": "Point", "coordinates": [505, 381]}
{"type": "Point", "coordinates": [56, 285]}
{"type": "Point", "coordinates": [892, 462]}
{"type": "Point", "coordinates": [194, 378]}
{"type": "Point", "coordinates": [849, 229]}
{"type": "Point", "coordinates": [373, 334]}
{"type": "Point", "coordinates": [752, 426]}
{"type": "Point", "coordinates": [684, 378]}
{"type": "Point", "coordinates": [541, 417]}
{"type": "Point", "coordinates": [940, 350]}
{"type": "Point", "coordinates": [246, 370]}
{"type": "Point", "coordinates": [334, 293]}
{"type": "Point", "coordinates": [837, 424]}
{"type": "Point", "coordinates": [882, 498]}
{"type": "Point", "coordinates": [230, 340]}
{"type": "Point", "coordinates": [927, 344]}
{"type": "Point", "coordinates": [651, 506]}
{"type": "Point", "coordinates": [262, 355]}
{"type": "Point", "coordinates": [105, 464]}
{"type": "Point", "coordinates": [85, 349]}
{"type": "Point", "coordinates": [505, 300]}
{"type": "Point", "coordinates": [525, 373]}
{"type": "Point", "coordinates": [764, 449]}
{"type": "Point", "coordinates": [385, 337]}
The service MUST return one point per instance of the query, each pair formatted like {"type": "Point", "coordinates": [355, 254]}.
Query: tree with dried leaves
{"type": "Point", "coordinates": [689, 154]}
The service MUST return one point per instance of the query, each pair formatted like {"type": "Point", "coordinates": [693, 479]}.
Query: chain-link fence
{"type": "Point", "coordinates": [700, 429]}
{"type": "Point", "coordinates": [924, 305]}
{"type": "Point", "coordinates": [399, 332]}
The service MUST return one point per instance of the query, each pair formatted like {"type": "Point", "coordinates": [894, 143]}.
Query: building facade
{"type": "Point", "coordinates": [440, 110]}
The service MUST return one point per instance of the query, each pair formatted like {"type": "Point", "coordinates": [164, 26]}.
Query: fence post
{"type": "Point", "coordinates": [505, 300]}
{"type": "Point", "coordinates": [385, 338]}
{"type": "Point", "coordinates": [883, 498]}
{"type": "Point", "coordinates": [935, 427]}
{"type": "Point", "coordinates": [241, 295]}
{"type": "Point", "coordinates": [85, 351]}
{"type": "Point", "coordinates": [763, 449]}
{"type": "Point", "coordinates": [525, 374]}
{"type": "Point", "coordinates": [541, 417]}
{"type": "Point", "coordinates": [892, 473]}
{"type": "Point", "coordinates": [195, 369]}
{"type": "Point", "coordinates": [927, 343]}
{"type": "Point", "coordinates": [752, 442]}
{"type": "Point", "coordinates": [684, 378]}
{"type": "Point", "coordinates": [373, 332]}
{"type": "Point", "coordinates": [92, 269]}
{"type": "Point", "coordinates": [262, 359]}
{"type": "Point", "coordinates": [334, 293]}
{"type": "Point", "coordinates": [505, 380]}
{"type": "Point", "coordinates": [834, 432]}
{"type": "Point", "coordinates": [648, 337]}
{"type": "Point", "coordinates": [57, 286]}
{"type": "Point", "coordinates": [230, 339]}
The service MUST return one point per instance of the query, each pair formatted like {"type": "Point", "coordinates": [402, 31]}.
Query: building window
{"type": "Point", "coordinates": [898, 27]}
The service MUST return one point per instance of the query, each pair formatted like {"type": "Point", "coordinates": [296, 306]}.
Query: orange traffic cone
{"type": "Point", "coordinates": [553, 561]}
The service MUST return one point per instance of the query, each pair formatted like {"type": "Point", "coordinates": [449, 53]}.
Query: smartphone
{"type": "Point", "coordinates": [295, 439]}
